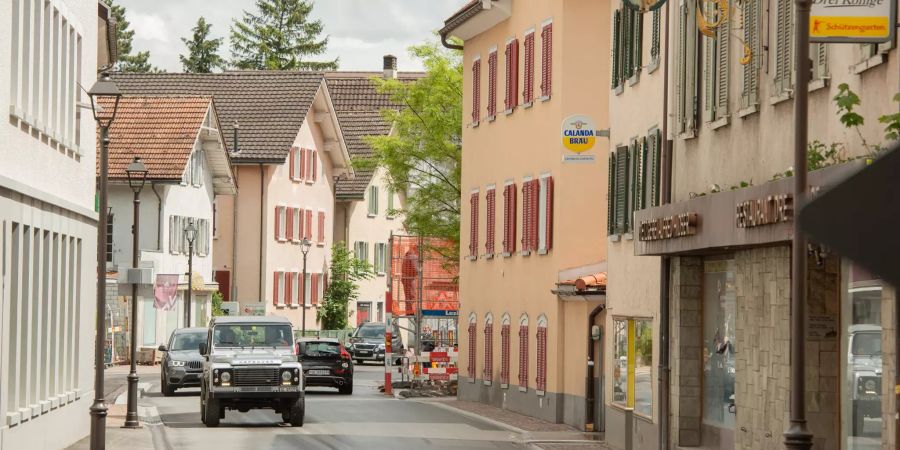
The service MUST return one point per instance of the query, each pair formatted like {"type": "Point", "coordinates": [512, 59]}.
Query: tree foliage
{"type": "Point", "coordinates": [203, 52]}
{"type": "Point", "coordinates": [128, 62]}
{"type": "Point", "coordinates": [279, 35]}
{"type": "Point", "coordinates": [423, 157]}
{"type": "Point", "coordinates": [346, 272]}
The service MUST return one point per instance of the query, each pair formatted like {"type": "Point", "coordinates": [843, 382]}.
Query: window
{"type": "Point", "coordinates": [528, 76]}
{"type": "Point", "coordinates": [472, 348]}
{"type": "Point", "coordinates": [545, 214]}
{"type": "Point", "coordinates": [373, 201]}
{"type": "Point", "coordinates": [390, 204]}
{"type": "Point", "coordinates": [280, 223]}
{"type": "Point", "coordinates": [488, 373]}
{"type": "Point", "coordinates": [295, 289]}
{"type": "Point", "coordinates": [294, 164]}
{"type": "Point", "coordinates": [361, 250]}
{"type": "Point", "coordinates": [109, 237]}
{"type": "Point", "coordinates": [819, 55]}
{"type": "Point", "coordinates": [654, 39]}
{"type": "Point", "coordinates": [278, 289]}
{"type": "Point", "coordinates": [633, 364]}
{"type": "Point", "coordinates": [686, 69]}
{"type": "Point", "coordinates": [626, 40]}
{"type": "Point", "coordinates": [523, 353]}
{"type": "Point", "coordinates": [476, 91]}
{"type": "Point", "coordinates": [716, 65]}
{"type": "Point", "coordinates": [490, 220]}
{"type": "Point", "coordinates": [297, 224]}
{"type": "Point", "coordinates": [719, 311]}
{"type": "Point", "coordinates": [45, 73]}
{"type": "Point", "coordinates": [307, 289]}
{"type": "Point", "coordinates": [380, 257]}
{"type": "Point", "coordinates": [509, 218]}
{"type": "Point", "coordinates": [312, 165]}
{"type": "Point", "coordinates": [512, 75]}
{"type": "Point", "coordinates": [197, 168]}
{"type": "Point", "coordinates": [309, 228]}
{"type": "Point", "coordinates": [321, 237]}
{"type": "Point", "coordinates": [546, 59]}
{"type": "Point", "coordinates": [492, 84]}
{"type": "Point", "coordinates": [473, 224]}
{"type": "Point", "coordinates": [529, 215]}
{"type": "Point", "coordinates": [750, 13]}
{"type": "Point", "coordinates": [783, 64]}
{"type": "Point", "coordinates": [504, 351]}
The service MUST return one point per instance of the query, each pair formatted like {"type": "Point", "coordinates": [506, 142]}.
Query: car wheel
{"type": "Point", "coordinates": [347, 388]}
{"type": "Point", "coordinates": [298, 410]}
{"type": "Point", "coordinates": [202, 408]}
{"type": "Point", "coordinates": [212, 412]}
{"type": "Point", "coordinates": [167, 390]}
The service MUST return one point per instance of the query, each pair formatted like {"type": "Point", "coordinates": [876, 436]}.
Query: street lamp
{"type": "Point", "coordinates": [190, 232]}
{"type": "Point", "coordinates": [105, 98]}
{"type": "Point", "coordinates": [305, 244]}
{"type": "Point", "coordinates": [137, 177]}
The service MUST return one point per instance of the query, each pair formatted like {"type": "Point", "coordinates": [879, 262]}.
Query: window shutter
{"type": "Point", "coordinates": [301, 171]}
{"type": "Point", "coordinates": [622, 184]}
{"type": "Point", "coordinates": [783, 54]}
{"type": "Point", "coordinates": [277, 224]}
{"type": "Point", "coordinates": [642, 174]}
{"type": "Point", "coordinates": [315, 165]}
{"type": "Point", "coordinates": [291, 163]}
{"type": "Point", "coordinates": [321, 226]}
{"type": "Point", "coordinates": [616, 48]}
{"type": "Point", "coordinates": [627, 42]}
{"type": "Point", "coordinates": [309, 226]}
{"type": "Point", "coordinates": [654, 38]}
{"type": "Point", "coordinates": [653, 169]}
{"type": "Point", "coordinates": [535, 212]}
{"type": "Point", "coordinates": [472, 350]}
{"type": "Point", "coordinates": [723, 33]}
{"type": "Point", "coordinates": [549, 205]}
{"type": "Point", "coordinates": [513, 206]}
{"type": "Point", "coordinates": [547, 60]}
{"type": "Point", "coordinates": [709, 67]}
{"type": "Point", "coordinates": [290, 223]}
{"type": "Point", "coordinates": [681, 68]}
{"type": "Point", "coordinates": [287, 287]}
{"type": "Point", "coordinates": [476, 91]}
{"type": "Point", "coordinates": [819, 54]}
{"type": "Point", "coordinates": [314, 289]}
{"type": "Point", "coordinates": [507, 98]}
{"type": "Point", "coordinates": [611, 197]}
{"type": "Point", "coordinates": [505, 242]}
{"type": "Point", "coordinates": [504, 354]}
{"type": "Point", "coordinates": [275, 288]}
{"type": "Point", "coordinates": [523, 356]}
{"type": "Point", "coordinates": [303, 299]}
{"type": "Point", "coordinates": [750, 17]}
{"type": "Point", "coordinates": [632, 185]}
{"type": "Point", "coordinates": [526, 216]}
{"type": "Point", "coordinates": [473, 224]}
{"type": "Point", "coordinates": [541, 359]}
{"type": "Point", "coordinates": [488, 373]}
{"type": "Point", "coordinates": [490, 199]}
{"type": "Point", "coordinates": [637, 59]}
{"type": "Point", "coordinates": [528, 92]}
{"type": "Point", "coordinates": [492, 84]}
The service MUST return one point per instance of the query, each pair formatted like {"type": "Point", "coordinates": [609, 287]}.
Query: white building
{"type": "Point", "coordinates": [48, 225]}
{"type": "Point", "coordinates": [179, 142]}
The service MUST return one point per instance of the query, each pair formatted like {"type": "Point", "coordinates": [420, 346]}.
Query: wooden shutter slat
{"type": "Point", "coordinates": [654, 39]}
{"type": "Point", "coordinates": [611, 196]}
{"type": "Point", "coordinates": [287, 287]}
{"type": "Point", "coordinates": [622, 190]}
{"type": "Point", "coordinates": [291, 163]}
{"type": "Point", "coordinates": [723, 33]}
{"type": "Point", "coordinates": [277, 224]}
{"type": "Point", "coordinates": [309, 224]}
{"type": "Point", "coordinates": [528, 77]}
{"type": "Point", "coordinates": [546, 60]}
{"type": "Point", "coordinates": [616, 49]}
{"type": "Point", "coordinates": [476, 91]}
{"type": "Point", "coordinates": [492, 84]}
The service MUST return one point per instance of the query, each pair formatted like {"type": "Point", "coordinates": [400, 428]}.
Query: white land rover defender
{"type": "Point", "coordinates": [250, 363]}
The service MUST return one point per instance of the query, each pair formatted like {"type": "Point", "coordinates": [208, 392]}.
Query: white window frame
{"type": "Point", "coordinates": [295, 289]}
{"type": "Point", "coordinates": [310, 172]}
{"type": "Point", "coordinates": [307, 289]}
{"type": "Point", "coordinates": [295, 176]}
{"type": "Point", "coordinates": [282, 223]}
{"type": "Point", "coordinates": [295, 232]}
{"type": "Point", "coordinates": [390, 204]}
{"type": "Point", "coordinates": [280, 299]}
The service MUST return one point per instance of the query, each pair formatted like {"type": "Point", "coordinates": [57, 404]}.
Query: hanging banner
{"type": "Point", "coordinates": [164, 291]}
{"type": "Point", "coordinates": [852, 21]}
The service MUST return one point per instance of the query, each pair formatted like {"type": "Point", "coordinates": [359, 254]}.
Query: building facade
{"type": "Point", "coordinates": [48, 225]}
{"type": "Point", "coordinates": [179, 142]}
{"type": "Point", "coordinates": [530, 209]}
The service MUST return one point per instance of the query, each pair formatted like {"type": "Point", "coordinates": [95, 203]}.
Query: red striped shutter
{"type": "Point", "coordinates": [314, 289]}
{"type": "Point", "coordinates": [513, 206]}
{"type": "Point", "coordinates": [302, 292]}
{"type": "Point", "coordinates": [528, 92]}
{"type": "Point", "coordinates": [290, 223]}
{"type": "Point", "coordinates": [542, 359]}
{"type": "Point", "coordinates": [505, 242]}
{"type": "Point", "coordinates": [490, 199]}
{"type": "Point", "coordinates": [512, 74]}
{"type": "Point", "coordinates": [549, 228]}
{"type": "Point", "coordinates": [302, 171]}
{"type": "Point", "coordinates": [526, 216]}
{"type": "Point", "coordinates": [309, 227]}
{"type": "Point", "coordinates": [277, 225]}
{"type": "Point", "coordinates": [472, 350]}
{"type": "Point", "coordinates": [546, 59]}
{"type": "Point", "coordinates": [321, 226]}
{"type": "Point", "coordinates": [523, 356]}
{"type": "Point", "coordinates": [488, 351]}
{"type": "Point", "coordinates": [275, 289]}
{"type": "Point", "coordinates": [535, 212]}
{"type": "Point", "coordinates": [476, 91]}
{"type": "Point", "coordinates": [291, 162]}
{"type": "Point", "coordinates": [507, 98]}
{"type": "Point", "coordinates": [315, 165]}
{"type": "Point", "coordinates": [287, 288]}
{"type": "Point", "coordinates": [504, 354]}
{"type": "Point", "coordinates": [492, 84]}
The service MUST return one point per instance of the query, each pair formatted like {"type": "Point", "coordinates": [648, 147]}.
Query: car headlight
{"type": "Point", "coordinates": [290, 377]}
{"type": "Point", "coordinates": [177, 363]}
{"type": "Point", "coordinates": [345, 365]}
{"type": "Point", "coordinates": [222, 377]}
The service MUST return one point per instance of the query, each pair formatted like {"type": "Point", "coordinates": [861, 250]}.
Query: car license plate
{"type": "Point", "coordinates": [364, 352]}
{"type": "Point", "coordinates": [319, 372]}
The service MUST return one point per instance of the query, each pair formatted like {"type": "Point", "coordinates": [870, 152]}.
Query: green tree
{"type": "Point", "coordinates": [279, 36]}
{"type": "Point", "coordinates": [217, 299]}
{"type": "Point", "coordinates": [346, 272]}
{"type": "Point", "coordinates": [203, 52]}
{"type": "Point", "coordinates": [423, 156]}
{"type": "Point", "coordinates": [127, 62]}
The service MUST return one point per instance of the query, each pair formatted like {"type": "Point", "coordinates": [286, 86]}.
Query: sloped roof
{"type": "Point", "coordinates": [161, 130]}
{"type": "Point", "coordinates": [269, 106]}
{"type": "Point", "coordinates": [358, 108]}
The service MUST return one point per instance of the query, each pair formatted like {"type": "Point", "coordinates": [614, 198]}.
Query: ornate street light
{"type": "Point", "coordinates": [305, 244]}
{"type": "Point", "coordinates": [137, 177]}
{"type": "Point", "coordinates": [190, 232]}
{"type": "Point", "coordinates": [104, 92]}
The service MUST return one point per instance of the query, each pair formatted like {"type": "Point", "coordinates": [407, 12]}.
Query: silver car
{"type": "Point", "coordinates": [182, 364]}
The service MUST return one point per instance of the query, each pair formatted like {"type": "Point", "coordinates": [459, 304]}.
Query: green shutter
{"type": "Point", "coordinates": [632, 182]}
{"type": "Point", "coordinates": [654, 40]}
{"type": "Point", "coordinates": [621, 189]}
{"type": "Point", "coordinates": [616, 42]}
{"type": "Point", "coordinates": [723, 40]}
{"type": "Point", "coordinates": [680, 68]}
{"type": "Point", "coordinates": [611, 197]}
{"type": "Point", "coordinates": [783, 34]}
{"type": "Point", "coordinates": [709, 68]}
{"type": "Point", "coordinates": [638, 41]}
{"type": "Point", "coordinates": [642, 174]}
{"type": "Point", "coordinates": [628, 40]}
{"type": "Point", "coordinates": [750, 88]}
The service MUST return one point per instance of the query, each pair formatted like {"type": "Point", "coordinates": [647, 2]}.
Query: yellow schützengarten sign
{"type": "Point", "coordinates": [852, 21]}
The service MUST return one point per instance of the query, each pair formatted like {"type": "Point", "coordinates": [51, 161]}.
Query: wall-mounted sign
{"type": "Point", "coordinates": [852, 21]}
{"type": "Point", "coordinates": [644, 5]}
{"type": "Point", "coordinates": [668, 227]}
{"type": "Point", "coordinates": [764, 211]}
{"type": "Point", "coordinates": [579, 134]}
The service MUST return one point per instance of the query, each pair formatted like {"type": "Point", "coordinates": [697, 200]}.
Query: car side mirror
{"type": "Point", "coordinates": [203, 348]}
{"type": "Point", "coordinates": [301, 348]}
{"type": "Point", "coordinates": [162, 348]}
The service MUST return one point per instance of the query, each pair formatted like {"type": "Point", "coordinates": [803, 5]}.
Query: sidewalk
{"type": "Point", "coordinates": [533, 432]}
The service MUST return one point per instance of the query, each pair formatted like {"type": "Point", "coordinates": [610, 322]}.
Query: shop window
{"type": "Point", "coordinates": [719, 310]}
{"type": "Point", "coordinates": [633, 365]}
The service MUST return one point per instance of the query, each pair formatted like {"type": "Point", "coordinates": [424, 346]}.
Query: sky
{"type": "Point", "coordinates": [360, 31]}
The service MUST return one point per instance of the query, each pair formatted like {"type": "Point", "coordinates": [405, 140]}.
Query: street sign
{"type": "Point", "coordinates": [852, 21]}
{"type": "Point", "coordinates": [231, 308]}
{"type": "Point", "coordinates": [253, 309]}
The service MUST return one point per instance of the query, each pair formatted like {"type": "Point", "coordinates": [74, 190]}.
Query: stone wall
{"type": "Point", "coordinates": [888, 358]}
{"type": "Point", "coordinates": [686, 337]}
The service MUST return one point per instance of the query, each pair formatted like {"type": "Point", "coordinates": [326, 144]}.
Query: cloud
{"type": "Point", "coordinates": [149, 27]}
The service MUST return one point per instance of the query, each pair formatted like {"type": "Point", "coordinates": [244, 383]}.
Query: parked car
{"type": "Point", "coordinates": [864, 365]}
{"type": "Point", "coordinates": [326, 363]}
{"type": "Point", "coordinates": [182, 364]}
{"type": "Point", "coordinates": [367, 342]}
{"type": "Point", "coordinates": [250, 364]}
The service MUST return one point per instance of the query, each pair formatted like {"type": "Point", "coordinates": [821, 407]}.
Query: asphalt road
{"type": "Point", "coordinates": [367, 419]}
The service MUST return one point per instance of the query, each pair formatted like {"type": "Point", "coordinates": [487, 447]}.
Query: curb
{"type": "Point", "coordinates": [122, 398]}
{"type": "Point", "coordinates": [472, 415]}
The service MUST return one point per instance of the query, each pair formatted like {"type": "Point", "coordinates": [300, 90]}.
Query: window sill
{"type": "Point", "coordinates": [474, 124]}
{"type": "Point", "coordinates": [628, 236]}
{"type": "Point", "coordinates": [491, 118]}
{"type": "Point", "coordinates": [544, 98]}
{"type": "Point", "coordinates": [654, 64]}
{"type": "Point", "coordinates": [280, 305]}
{"type": "Point", "coordinates": [780, 98]}
{"type": "Point", "coordinates": [527, 105]}
{"type": "Point", "coordinates": [294, 306]}
{"type": "Point", "coordinates": [867, 64]}
{"type": "Point", "coordinates": [472, 380]}
{"type": "Point", "coordinates": [752, 109]}
{"type": "Point", "coordinates": [634, 78]}
{"type": "Point", "coordinates": [540, 393]}
{"type": "Point", "coordinates": [471, 258]}
{"type": "Point", "coordinates": [310, 181]}
{"type": "Point", "coordinates": [504, 385]}
{"type": "Point", "coordinates": [690, 134]}
{"type": "Point", "coordinates": [619, 89]}
{"type": "Point", "coordinates": [525, 253]}
{"type": "Point", "coordinates": [320, 244]}
{"type": "Point", "coordinates": [372, 215]}
{"type": "Point", "coordinates": [488, 256]}
{"type": "Point", "coordinates": [509, 111]}
{"type": "Point", "coordinates": [820, 83]}
{"type": "Point", "coordinates": [506, 254]}
{"type": "Point", "coordinates": [614, 238]}
{"type": "Point", "coordinates": [523, 389]}
{"type": "Point", "coordinates": [543, 251]}
{"type": "Point", "coordinates": [719, 123]}
{"type": "Point", "coordinates": [487, 382]}
{"type": "Point", "coordinates": [281, 240]}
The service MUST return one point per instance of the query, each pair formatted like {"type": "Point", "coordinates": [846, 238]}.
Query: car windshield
{"type": "Point", "coordinates": [867, 344]}
{"type": "Point", "coordinates": [370, 332]}
{"type": "Point", "coordinates": [246, 335]}
{"type": "Point", "coordinates": [321, 349]}
{"type": "Point", "coordinates": [188, 341]}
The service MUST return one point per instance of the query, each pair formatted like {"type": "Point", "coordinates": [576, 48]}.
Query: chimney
{"type": "Point", "coordinates": [235, 145]}
{"type": "Point", "coordinates": [390, 66]}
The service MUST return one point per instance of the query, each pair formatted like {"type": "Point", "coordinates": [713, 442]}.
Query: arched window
{"type": "Point", "coordinates": [488, 373]}
{"type": "Point", "coordinates": [541, 337]}
{"type": "Point", "coordinates": [472, 348]}
{"type": "Point", "coordinates": [523, 353]}
{"type": "Point", "coordinates": [504, 351]}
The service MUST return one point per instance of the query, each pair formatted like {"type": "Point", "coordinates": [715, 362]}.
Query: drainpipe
{"type": "Point", "coordinates": [448, 44]}
{"type": "Point", "coordinates": [262, 239]}
{"type": "Point", "coordinates": [591, 401]}
{"type": "Point", "coordinates": [159, 217]}
{"type": "Point", "coordinates": [234, 223]}
{"type": "Point", "coordinates": [665, 263]}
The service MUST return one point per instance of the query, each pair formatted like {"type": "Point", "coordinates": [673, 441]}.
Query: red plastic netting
{"type": "Point", "coordinates": [420, 264]}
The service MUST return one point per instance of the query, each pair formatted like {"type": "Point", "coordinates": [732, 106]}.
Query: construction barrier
{"type": "Point", "coordinates": [437, 365]}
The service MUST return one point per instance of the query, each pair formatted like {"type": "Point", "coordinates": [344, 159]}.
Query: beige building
{"type": "Point", "coordinates": [532, 211]}
{"type": "Point", "coordinates": [727, 233]}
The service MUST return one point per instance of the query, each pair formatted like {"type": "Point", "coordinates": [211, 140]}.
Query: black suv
{"type": "Point", "coordinates": [326, 363]}
{"type": "Point", "coordinates": [367, 342]}
{"type": "Point", "coordinates": [182, 365]}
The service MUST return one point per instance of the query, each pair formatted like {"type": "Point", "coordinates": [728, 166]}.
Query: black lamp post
{"type": "Point", "coordinates": [190, 232]}
{"type": "Point", "coordinates": [105, 98]}
{"type": "Point", "coordinates": [305, 244]}
{"type": "Point", "coordinates": [137, 177]}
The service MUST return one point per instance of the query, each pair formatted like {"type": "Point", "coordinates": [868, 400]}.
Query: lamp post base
{"type": "Point", "coordinates": [131, 417]}
{"type": "Point", "coordinates": [797, 437]}
{"type": "Point", "coordinates": [98, 424]}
